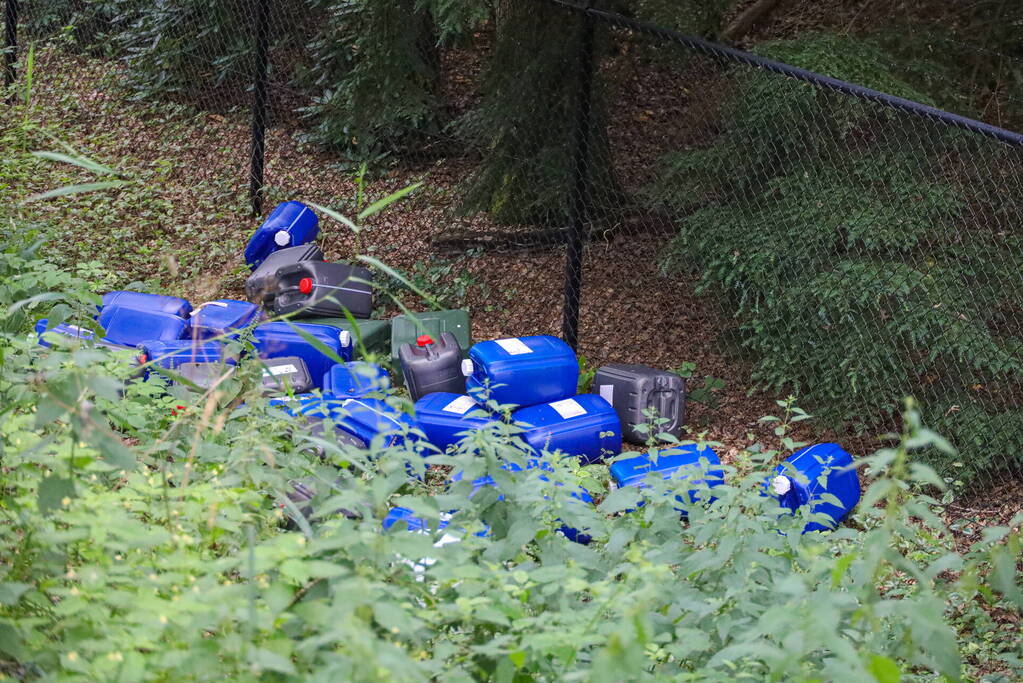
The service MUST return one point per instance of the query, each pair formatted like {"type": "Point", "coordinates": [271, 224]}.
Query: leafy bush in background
{"type": "Point", "coordinates": [866, 254]}
{"type": "Point", "coordinates": [90, 26]}
{"type": "Point", "coordinates": [524, 122]}
{"type": "Point", "coordinates": [189, 47]}
{"type": "Point", "coordinates": [374, 72]}
{"type": "Point", "coordinates": [141, 542]}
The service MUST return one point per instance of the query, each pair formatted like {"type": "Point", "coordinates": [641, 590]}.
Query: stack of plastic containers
{"type": "Point", "coordinates": [129, 319]}
{"type": "Point", "coordinates": [290, 277]}
{"type": "Point", "coordinates": [540, 375]}
{"type": "Point", "coordinates": [457, 387]}
{"type": "Point", "coordinates": [537, 375]}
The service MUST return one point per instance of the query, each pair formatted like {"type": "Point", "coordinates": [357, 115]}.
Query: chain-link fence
{"type": "Point", "coordinates": [656, 198]}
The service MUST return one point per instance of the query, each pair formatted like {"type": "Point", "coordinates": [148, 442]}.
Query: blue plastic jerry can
{"type": "Point", "coordinates": [356, 379]}
{"type": "Point", "coordinates": [315, 408]}
{"type": "Point", "coordinates": [223, 317]}
{"type": "Point", "coordinates": [290, 224]}
{"type": "Point", "coordinates": [805, 476]}
{"type": "Point", "coordinates": [417, 524]}
{"type": "Point", "coordinates": [172, 354]}
{"type": "Point", "coordinates": [523, 371]}
{"type": "Point", "coordinates": [311, 405]}
{"type": "Point", "coordinates": [141, 301]}
{"type": "Point", "coordinates": [74, 333]}
{"type": "Point", "coordinates": [131, 326]}
{"type": "Point", "coordinates": [369, 418]}
{"type": "Point", "coordinates": [579, 493]}
{"type": "Point", "coordinates": [446, 418]}
{"type": "Point", "coordinates": [276, 339]}
{"type": "Point", "coordinates": [400, 514]}
{"type": "Point", "coordinates": [683, 464]}
{"type": "Point", "coordinates": [585, 426]}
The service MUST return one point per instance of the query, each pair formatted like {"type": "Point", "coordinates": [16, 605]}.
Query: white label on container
{"type": "Point", "coordinates": [514, 346]}
{"type": "Point", "coordinates": [607, 392]}
{"type": "Point", "coordinates": [280, 370]}
{"type": "Point", "coordinates": [460, 405]}
{"type": "Point", "coordinates": [568, 408]}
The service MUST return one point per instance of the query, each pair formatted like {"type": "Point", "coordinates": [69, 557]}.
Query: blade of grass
{"type": "Point", "coordinates": [337, 217]}
{"type": "Point", "coordinates": [80, 161]}
{"type": "Point", "coordinates": [75, 189]}
{"type": "Point", "coordinates": [402, 279]}
{"type": "Point", "coordinates": [382, 203]}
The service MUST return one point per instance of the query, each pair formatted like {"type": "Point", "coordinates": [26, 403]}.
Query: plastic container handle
{"type": "Point", "coordinates": [209, 303]}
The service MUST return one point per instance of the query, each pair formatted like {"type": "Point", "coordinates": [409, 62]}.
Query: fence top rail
{"type": "Point", "coordinates": [741, 56]}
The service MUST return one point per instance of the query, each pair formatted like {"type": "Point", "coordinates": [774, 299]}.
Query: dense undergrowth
{"type": "Point", "coordinates": [142, 539]}
{"type": "Point", "coordinates": [882, 255]}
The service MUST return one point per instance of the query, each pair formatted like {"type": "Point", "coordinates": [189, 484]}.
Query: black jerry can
{"type": "Point", "coordinates": [318, 289]}
{"type": "Point", "coordinates": [632, 389]}
{"type": "Point", "coordinates": [432, 365]}
{"type": "Point", "coordinates": [261, 286]}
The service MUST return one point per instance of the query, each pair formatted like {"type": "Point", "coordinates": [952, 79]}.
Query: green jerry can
{"type": "Point", "coordinates": [374, 334]}
{"type": "Point", "coordinates": [405, 329]}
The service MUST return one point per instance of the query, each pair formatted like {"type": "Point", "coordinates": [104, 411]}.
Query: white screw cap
{"type": "Point", "coordinates": [467, 367]}
{"type": "Point", "coordinates": [345, 337]}
{"type": "Point", "coordinates": [282, 238]}
{"type": "Point", "coordinates": [781, 485]}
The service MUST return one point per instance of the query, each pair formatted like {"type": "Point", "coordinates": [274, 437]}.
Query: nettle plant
{"type": "Point", "coordinates": [145, 535]}
{"type": "Point", "coordinates": [867, 254]}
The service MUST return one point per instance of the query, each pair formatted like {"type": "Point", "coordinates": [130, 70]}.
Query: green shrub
{"type": "Point", "coordinates": [866, 254]}
{"type": "Point", "coordinates": [89, 26]}
{"type": "Point", "coordinates": [374, 77]}
{"type": "Point", "coordinates": [189, 47]}
{"type": "Point", "coordinates": [144, 544]}
{"type": "Point", "coordinates": [523, 125]}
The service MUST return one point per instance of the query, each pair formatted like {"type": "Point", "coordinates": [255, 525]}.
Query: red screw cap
{"type": "Point", "coordinates": [424, 339]}
{"type": "Point", "coordinates": [305, 285]}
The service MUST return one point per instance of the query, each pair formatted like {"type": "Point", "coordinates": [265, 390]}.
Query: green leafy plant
{"type": "Point", "coordinates": [146, 534]}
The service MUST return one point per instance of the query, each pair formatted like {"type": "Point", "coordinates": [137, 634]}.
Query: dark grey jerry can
{"type": "Point", "coordinates": [284, 372]}
{"type": "Point", "coordinates": [204, 374]}
{"type": "Point", "coordinates": [261, 286]}
{"type": "Point", "coordinates": [432, 365]}
{"type": "Point", "coordinates": [632, 389]}
{"type": "Point", "coordinates": [315, 288]}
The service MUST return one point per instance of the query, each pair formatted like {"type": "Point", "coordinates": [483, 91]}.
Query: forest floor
{"type": "Point", "coordinates": [180, 224]}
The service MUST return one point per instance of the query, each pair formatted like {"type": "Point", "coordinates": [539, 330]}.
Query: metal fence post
{"type": "Point", "coordinates": [10, 40]}
{"type": "Point", "coordinates": [580, 185]}
{"type": "Point", "coordinates": [259, 104]}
